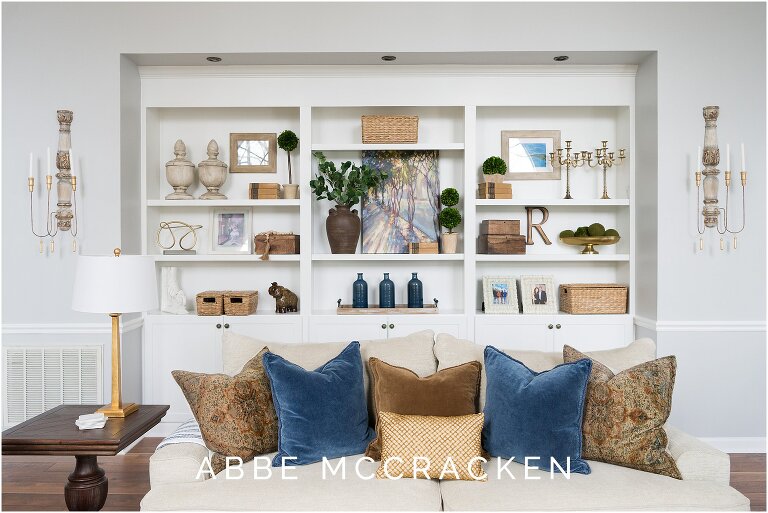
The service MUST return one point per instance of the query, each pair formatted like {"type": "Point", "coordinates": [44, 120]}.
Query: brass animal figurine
{"type": "Point", "coordinates": [285, 300]}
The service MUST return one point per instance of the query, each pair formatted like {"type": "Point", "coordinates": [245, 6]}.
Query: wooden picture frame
{"type": "Point", "coordinates": [538, 294]}
{"type": "Point", "coordinates": [500, 295]}
{"type": "Point", "coordinates": [231, 231]}
{"type": "Point", "coordinates": [245, 160]}
{"type": "Point", "coordinates": [523, 150]}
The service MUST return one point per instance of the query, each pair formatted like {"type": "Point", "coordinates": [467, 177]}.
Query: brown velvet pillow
{"type": "Point", "coordinates": [447, 393]}
{"type": "Point", "coordinates": [624, 414]}
{"type": "Point", "coordinates": [235, 413]}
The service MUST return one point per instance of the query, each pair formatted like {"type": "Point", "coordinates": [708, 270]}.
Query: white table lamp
{"type": "Point", "coordinates": [115, 285]}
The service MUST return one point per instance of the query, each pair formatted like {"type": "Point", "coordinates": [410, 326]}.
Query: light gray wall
{"type": "Point", "coordinates": [68, 55]}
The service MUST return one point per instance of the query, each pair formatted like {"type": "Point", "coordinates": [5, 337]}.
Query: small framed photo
{"type": "Point", "coordinates": [231, 230]}
{"type": "Point", "coordinates": [538, 295]}
{"type": "Point", "coordinates": [526, 153]}
{"type": "Point", "coordinates": [500, 295]}
{"type": "Point", "coordinates": [252, 153]}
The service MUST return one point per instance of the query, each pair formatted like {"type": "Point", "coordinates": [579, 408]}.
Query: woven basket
{"type": "Point", "coordinates": [240, 302]}
{"type": "Point", "coordinates": [210, 302]}
{"type": "Point", "coordinates": [593, 298]}
{"type": "Point", "coordinates": [390, 129]}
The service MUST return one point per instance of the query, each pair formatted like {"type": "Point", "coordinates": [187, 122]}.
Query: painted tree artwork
{"type": "Point", "coordinates": [404, 207]}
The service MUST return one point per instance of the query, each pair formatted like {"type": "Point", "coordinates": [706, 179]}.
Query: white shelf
{"type": "Point", "coordinates": [225, 203]}
{"type": "Point", "coordinates": [551, 202]}
{"type": "Point", "coordinates": [192, 316]}
{"type": "Point", "coordinates": [226, 258]}
{"type": "Point", "coordinates": [381, 257]}
{"type": "Point", "coordinates": [578, 257]}
{"type": "Point", "coordinates": [363, 147]}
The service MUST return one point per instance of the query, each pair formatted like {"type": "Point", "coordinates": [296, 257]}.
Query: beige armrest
{"type": "Point", "coordinates": [696, 460]}
{"type": "Point", "coordinates": [177, 463]}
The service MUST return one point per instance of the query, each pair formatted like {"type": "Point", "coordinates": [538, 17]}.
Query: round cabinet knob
{"type": "Point", "coordinates": [550, 326]}
{"type": "Point", "coordinates": [226, 326]}
{"type": "Point", "coordinates": [383, 326]}
{"type": "Point", "coordinates": [391, 326]}
{"type": "Point", "coordinates": [558, 326]}
{"type": "Point", "coordinates": [218, 326]}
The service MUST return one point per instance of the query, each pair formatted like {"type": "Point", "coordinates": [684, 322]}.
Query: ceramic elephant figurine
{"type": "Point", "coordinates": [285, 300]}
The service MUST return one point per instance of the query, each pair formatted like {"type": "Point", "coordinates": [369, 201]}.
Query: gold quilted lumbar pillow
{"type": "Point", "coordinates": [428, 447]}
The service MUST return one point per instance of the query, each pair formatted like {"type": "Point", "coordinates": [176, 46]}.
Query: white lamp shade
{"type": "Point", "coordinates": [110, 284]}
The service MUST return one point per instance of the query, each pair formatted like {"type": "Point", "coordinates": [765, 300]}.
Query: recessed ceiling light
{"type": "Point", "coordinates": [561, 58]}
{"type": "Point", "coordinates": [213, 59]}
{"type": "Point", "coordinates": [388, 58]}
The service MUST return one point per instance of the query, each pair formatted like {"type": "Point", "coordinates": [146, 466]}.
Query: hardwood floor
{"type": "Point", "coordinates": [36, 483]}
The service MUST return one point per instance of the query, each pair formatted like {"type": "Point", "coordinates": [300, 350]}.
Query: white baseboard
{"type": "Point", "coordinates": [737, 444]}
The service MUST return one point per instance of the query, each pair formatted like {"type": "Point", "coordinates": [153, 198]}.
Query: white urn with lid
{"type": "Point", "coordinates": [213, 173]}
{"type": "Point", "coordinates": [180, 173]}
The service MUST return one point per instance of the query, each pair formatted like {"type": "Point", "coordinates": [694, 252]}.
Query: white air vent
{"type": "Point", "coordinates": [39, 378]}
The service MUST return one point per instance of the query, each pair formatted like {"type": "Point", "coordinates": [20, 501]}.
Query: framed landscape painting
{"type": "Point", "coordinates": [404, 207]}
{"type": "Point", "coordinates": [526, 153]}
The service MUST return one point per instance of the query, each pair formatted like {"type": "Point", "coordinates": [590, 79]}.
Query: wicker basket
{"type": "Point", "coordinates": [390, 129]}
{"type": "Point", "coordinates": [210, 302]}
{"type": "Point", "coordinates": [240, 302]}
{"type": "Point", "coordinates": [593, 298]}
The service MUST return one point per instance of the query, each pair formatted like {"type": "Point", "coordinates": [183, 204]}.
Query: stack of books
{"type": "Point", "coordinates": [423, 248]}
{"type": "Point", "coordinates": [495, 190]}
{"type": "Point", "coordinates": [264, 191]}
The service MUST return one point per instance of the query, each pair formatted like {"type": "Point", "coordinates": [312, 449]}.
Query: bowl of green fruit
{"type": "Point", "coordinates": [589, 237]}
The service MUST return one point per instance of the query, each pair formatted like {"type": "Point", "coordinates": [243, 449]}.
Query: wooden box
{"type": "Point", "coordinates": [240, 302]}
{"type": "Point", "coordinates": [423, 248]}
{"type": "Point", "coordinates": [500, 227]}
{"type": "Point", "coordinates": [593, 298]}
{"type": "Point", "coordinates": [278, 244]}
{"type": "Point", "coordinates": [501, 244]}
{"type": "Point", "coordinates": [210, 302]}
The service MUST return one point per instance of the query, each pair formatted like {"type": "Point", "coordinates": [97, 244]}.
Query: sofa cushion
{"type": "Point", "coordinates": [607, 488]}
{"type": "Point", "coordinates": [431, 447]}
{"type": "Point", "coordinates": [452, 391]}
{"type": "Point", "coordinates": [308, 492]}
{"type": "Point", "coordinates": [451, 351]}
{"type": "Point", "coordinates": [535, 415]}
{"type": "Point", "coordinates": [624, 414]}
{"type": "Point", "coordinates": [235, 414]}
{"type": "Point", "coordinates": [320, 413]}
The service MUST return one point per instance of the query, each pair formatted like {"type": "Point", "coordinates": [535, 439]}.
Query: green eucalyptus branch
{"type": "Point", "coordinates": [345, 185]}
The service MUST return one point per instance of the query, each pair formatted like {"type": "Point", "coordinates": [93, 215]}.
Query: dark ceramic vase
{"type": "Point", "coordinates": [386, 292]}
{"type": "Point", "coordinates": [415, 292]}
{"type": "Point", "coordinates": [343, 229]}
{"type": "Point", "coordinates": [360, 292]}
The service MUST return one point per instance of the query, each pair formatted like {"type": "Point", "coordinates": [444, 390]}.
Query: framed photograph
{"type": "Point", "coordinates": [252, 153]}
{"type": "Point", "coordinates": [500, 295]}
{"type": "Point", "coordinates": [538, 295]}
{"type": "Point", "coordinates": [231, 230]}
{"type": "Point", "coordinates": [526, 153]}
{"type": "Point", "coordinates": [404, 207]}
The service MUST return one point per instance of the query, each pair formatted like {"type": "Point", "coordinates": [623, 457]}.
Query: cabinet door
{"type": "Point", "coordinates": [184, 343]}
{"type": "Point", "coordinates": [404, 325]}
{"type": "Point", "coordinates": [530, 333]}
{"type": "Point", "coordinates": [269, 328]}
{"type": "Point", "coordinates": [593, 333]}
{"type": "Point", "coordinates": [339, 328]}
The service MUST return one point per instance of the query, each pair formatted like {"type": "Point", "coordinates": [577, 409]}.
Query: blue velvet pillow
{"type": "Point", "coordinates": [529, 414]}
{"type": "Point", "coordinates": [322, 412]}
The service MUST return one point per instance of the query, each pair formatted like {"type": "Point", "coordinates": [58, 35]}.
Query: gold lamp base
{"type": "Point", "coordinates": [110, 411]}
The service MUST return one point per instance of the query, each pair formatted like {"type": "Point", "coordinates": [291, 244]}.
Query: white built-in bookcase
{"type": "Point", "coordinates": [462, 112]}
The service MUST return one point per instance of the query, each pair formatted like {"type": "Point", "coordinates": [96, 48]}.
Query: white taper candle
{"type": "Point", "coordinates": [727, 157]}
{"type": "Point", "coordinates": [31, 168]}
{"type": "Point", "coordinates": [743, 165]}
{"type": "Point", "coordinates": [698, 158]}
{"type": "Point", "coordinates": [71, 162]}
{"type": "Point", "coordinates": [48, 153]}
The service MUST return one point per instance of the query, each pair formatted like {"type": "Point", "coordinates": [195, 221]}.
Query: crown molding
{"type": "Point", "coordinates": [70, 328]}
{"type": "Point", "coordinates": [694, 326]}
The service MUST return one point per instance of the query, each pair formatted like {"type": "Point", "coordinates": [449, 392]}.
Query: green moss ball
{"type": "Point", "coordinates": [567, 233]}
{"type": "Point", "coordinates": [596, 230]}
{"type": "Point", "coordinates": [611, 233]}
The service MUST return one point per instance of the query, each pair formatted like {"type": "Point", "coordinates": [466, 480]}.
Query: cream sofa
{"type": "Point", "coordinates": [175, 484]}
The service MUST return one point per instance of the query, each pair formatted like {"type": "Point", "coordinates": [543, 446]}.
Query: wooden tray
{"type": "Point", "coordinates": [375, 310]}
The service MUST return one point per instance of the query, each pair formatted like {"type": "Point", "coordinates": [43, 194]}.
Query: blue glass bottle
{"type": "Point", "coordinates": [360, 292]}
{"type": "Point", "coordinates": [386, 292]}
{"type": "Point", "coordinates": [415, 292]}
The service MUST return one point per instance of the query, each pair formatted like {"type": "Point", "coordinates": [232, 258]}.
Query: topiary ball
{"type": "Point", "coordinates": [287, 141]}
{"type": "Point", "coordinates": [494, 166]}
{"type": "Point", "coordinates": [596, 230]}
{"type": "Point", "coordinates": [567, 233]}
{"type": "Point", "coordinates": [449, 218]}
{"type": "Point", "coordinates": [449, 197]}
{"type": "Point", "coordinates": [611, 233]}
{"type": "Point", "coordinates": [582, 231]}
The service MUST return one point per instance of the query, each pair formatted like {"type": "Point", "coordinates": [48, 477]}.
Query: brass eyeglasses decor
{"type": "Point", "coordinates": [711, 158]}
{"type": "Point", "coordinates": [605, 159]}
{"type": "Point", "coordinates": [65, 217]}
{"type": "Point", "coordinates": [577, 160]}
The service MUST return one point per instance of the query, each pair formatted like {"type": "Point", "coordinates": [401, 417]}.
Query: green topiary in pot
{"type": "Point", "coordinates": [494, 168]}
{"type": "Point", "coordinates": [288, 141]}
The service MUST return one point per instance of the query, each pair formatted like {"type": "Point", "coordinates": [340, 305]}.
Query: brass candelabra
{"type": "Point", "coordinates": [577, 160]}
{"type": "Point", "coordinates": [605, 159]}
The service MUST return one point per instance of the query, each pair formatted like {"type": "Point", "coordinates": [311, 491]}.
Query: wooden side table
{"type": "Point", "coordinates": [54, 433]}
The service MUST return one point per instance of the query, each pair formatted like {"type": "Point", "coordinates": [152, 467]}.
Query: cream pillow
{"type": "Point", "coordinates": [451, 351]}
